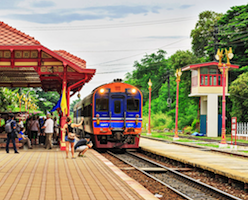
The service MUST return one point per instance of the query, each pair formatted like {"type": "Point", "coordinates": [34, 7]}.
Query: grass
{"type": "Point", "coordinates": [209, 145]}
{"type": "Point", "coordinates": [168, 136]}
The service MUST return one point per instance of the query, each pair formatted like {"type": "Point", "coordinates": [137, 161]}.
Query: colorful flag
{"type": "Point", "coordinates": [63, 104]}
{"type": "Point", "coordinates": [57, 105]}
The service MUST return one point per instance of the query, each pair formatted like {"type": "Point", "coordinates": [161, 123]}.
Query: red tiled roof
{"type": "Point", "coordinates": [11, 36]}
{"type": "Point", "coordinates": [74, 59]}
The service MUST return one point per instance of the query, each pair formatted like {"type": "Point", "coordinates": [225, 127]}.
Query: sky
{"type": "Point", "coordinates": [109, 35]}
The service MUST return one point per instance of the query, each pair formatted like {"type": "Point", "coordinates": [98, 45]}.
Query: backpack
{"type": "Point", "coordinates": [8, 128]}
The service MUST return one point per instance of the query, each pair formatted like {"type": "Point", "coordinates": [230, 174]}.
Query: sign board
{"type": "Point", "coordinates": [234, 128]}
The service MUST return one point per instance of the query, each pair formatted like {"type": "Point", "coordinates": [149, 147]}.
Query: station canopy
{"type": "Point", "coordinates": [24, 62]}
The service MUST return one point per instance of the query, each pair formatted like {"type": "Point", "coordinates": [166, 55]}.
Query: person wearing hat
{"type": "Point", "coordinates": [83, 145]}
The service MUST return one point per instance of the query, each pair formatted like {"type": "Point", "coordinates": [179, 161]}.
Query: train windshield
{"type": "Point", "coordinates": [102, 105]}
{"type": "Point", "coordinates": [133, 105]}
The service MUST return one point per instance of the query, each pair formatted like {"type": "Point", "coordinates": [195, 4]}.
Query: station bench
{"type": "Point", "coordinates": [3, 144]}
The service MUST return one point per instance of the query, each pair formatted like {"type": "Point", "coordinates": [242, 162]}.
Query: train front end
{"type": "Point", "coordinates": [117, 116]}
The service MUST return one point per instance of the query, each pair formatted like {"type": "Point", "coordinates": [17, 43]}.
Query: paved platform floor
{"type": "Point", "coordinates": [226, 165]}
{"type": "Point", "coordinates": [47, 174]}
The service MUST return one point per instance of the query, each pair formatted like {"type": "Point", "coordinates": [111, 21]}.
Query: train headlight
{"type": "Point", "coordinates": [97, 119]}
{"type": "Point", "coordinates": [137, 119]}
{"type": "Point", "coordinates": [133, 90]}
{"type": "Point", "coordinates": [102, 91]}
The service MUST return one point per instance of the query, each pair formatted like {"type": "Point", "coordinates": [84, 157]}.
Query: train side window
{"type": "Point", "coordinates": [79, 112]}
{"type": "Point", "coordinates": [102, 105]}
{"type": "Point", "coordinates": [133, 105]}
{"type": "Point", "coordinates": [117, 106]}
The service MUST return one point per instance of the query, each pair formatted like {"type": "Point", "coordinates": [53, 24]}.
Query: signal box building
{"type": "Point", "coordinates": [206, 83]}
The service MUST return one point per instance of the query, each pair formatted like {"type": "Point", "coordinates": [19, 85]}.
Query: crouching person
{"type": "Point", "coordinates": [23, 139]}
{"type": "Point", "coordinates": [83, 145]}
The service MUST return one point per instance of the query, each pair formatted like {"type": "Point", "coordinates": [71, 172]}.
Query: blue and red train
{"type": "Point", "coordinates": [112, 115]}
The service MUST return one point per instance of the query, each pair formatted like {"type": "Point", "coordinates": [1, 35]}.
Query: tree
{"type": "Point", "coordinates": [8, 100]}
{"type": "Point", "coordinates": [46, 100]}
{"type": "Point", "coordinates": [204, 34]}
{"type": "Point", "coordinates": [160, 91]}
{"type": "Point", "coordinates": [233, 33]}
{"type": "Point", "coordinates": [154, 67]}
{"type": "Point", "coordinates": [239, 97]}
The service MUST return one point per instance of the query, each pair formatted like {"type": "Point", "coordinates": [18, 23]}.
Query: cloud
{"type": "Point", "coordinates": [90, 13]}
{"type": "Point", "coordinates": [7, 4]}
{"type": "Point", "coordinates": [185, 6]}
{"type": "Point", "coordinates": [43, 4]}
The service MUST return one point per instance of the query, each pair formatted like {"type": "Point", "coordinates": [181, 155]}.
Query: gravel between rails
{"type": "Point", "coordinates": [206, 177]}
{"type": "Point", "coordinates": [153, 186]}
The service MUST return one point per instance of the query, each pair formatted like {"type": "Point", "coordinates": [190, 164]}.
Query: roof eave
{"type": "Point", "coordinates": [195, 66]}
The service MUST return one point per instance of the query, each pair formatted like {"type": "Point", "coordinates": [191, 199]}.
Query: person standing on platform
{"type": "Point", "coordinates": [83, 145]}
{"type": "Point", "coordinates": [70, 135]}
{"type": "Point", "coordinates": [42, 137]}
{"type": "Point", "coordinates": [48, 126]}
{"type": "Point", "coordinates": [34, 130]}
{"type": "Point", "coordinates": [11, 135]}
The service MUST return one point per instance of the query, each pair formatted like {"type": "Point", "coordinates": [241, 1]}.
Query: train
{"type": "Point", "coordinates": [112, 115]}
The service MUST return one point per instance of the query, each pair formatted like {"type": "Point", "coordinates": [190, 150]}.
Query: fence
{"type": "Point", "coordinates": [242, 130]}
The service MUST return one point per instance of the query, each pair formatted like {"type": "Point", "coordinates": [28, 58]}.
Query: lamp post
{"type": "Point", "coordinates": [224, 70]}
{"type": "Point", "coordinates": [178, 75]}
{"type": "Point", "coordinates": [149, 117]}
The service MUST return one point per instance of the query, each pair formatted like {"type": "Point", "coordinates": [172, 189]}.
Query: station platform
{"type": "Point", "coordinates": [229, 166]}
{"type": "Point", "coordinates": [46, 174]}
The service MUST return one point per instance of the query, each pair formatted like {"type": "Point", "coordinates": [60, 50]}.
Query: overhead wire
{"type": "Point", "coordinates": [137, 54]}
{"type": "Point", "coordinates": [107, 26]}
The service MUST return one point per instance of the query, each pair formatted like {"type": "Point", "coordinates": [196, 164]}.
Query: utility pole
{"type": "Point", "coordinates": [216, 41]}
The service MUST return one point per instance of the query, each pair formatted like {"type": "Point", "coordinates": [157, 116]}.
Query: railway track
{"type": "Point", "coordinates": [181, 184]}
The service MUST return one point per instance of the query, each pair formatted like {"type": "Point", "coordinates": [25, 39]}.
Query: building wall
{"type": "Point", "coordinates": [212, 115]}
{"type": "Point", "coordinates": [205, 89]}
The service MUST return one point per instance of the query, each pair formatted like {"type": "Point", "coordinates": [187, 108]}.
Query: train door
{"type": "Point", "coordinates": [117, 107]}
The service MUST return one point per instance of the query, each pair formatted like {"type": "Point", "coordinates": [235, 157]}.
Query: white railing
{"type": "Point", "coordinates": [242, 130]}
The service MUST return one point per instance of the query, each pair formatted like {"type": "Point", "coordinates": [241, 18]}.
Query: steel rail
{"type": "Point", "coordinates": [179, 176]}
{"type": "Point", "coordinates": [147, 174]}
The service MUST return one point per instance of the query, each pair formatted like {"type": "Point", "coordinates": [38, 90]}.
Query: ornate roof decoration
{"type": "Point", "coordinates": [74, 59]}
{"type": "Point", "coordinates": [11, 36]}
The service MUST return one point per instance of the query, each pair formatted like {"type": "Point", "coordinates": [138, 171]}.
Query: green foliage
{"type": "Point", "coordinates": [8, 100]}
{"type": "Point", "coordinates": [154, 67]}
{"type": "Point", "coordinates": [239, 97]}
{"type": "Point", "coordinates": [194, 124]}
{"type": "Point", "coordinates": [159, 121]}
{"type": "Point", "coordinates": [161, 91]}
{"type": "Point", "coordinates": [46, 100]}
{"type": "Point", "coordinates": [188, 129]}
{"type": "Point", "coordinates": [203, 34]}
